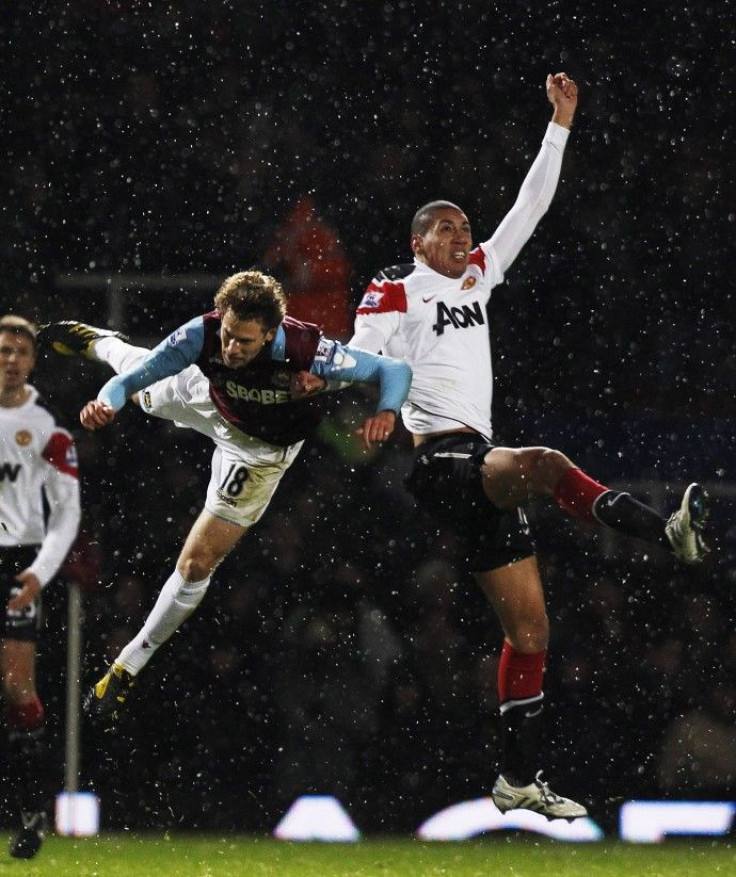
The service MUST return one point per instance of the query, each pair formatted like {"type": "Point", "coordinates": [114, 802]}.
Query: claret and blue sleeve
{"type": "Point", "coordinates": [341, 363]}
{"type": "Point", "coordinates": [169, 357]}
{"type": "Point", "coordinates": [334, 362]}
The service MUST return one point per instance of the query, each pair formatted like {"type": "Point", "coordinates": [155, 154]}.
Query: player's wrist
{"type": "Point", "coordinates": [563, 118]}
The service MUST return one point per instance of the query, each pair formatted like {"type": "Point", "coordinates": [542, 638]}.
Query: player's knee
{"type": "Point", "coordinates": [538, 468]}
{"type": "Point", "coordinates": [530, 634]}
{"type": "Point", "coordinates": [513, 476]}
{"type": "Point", "coordinates": [550, 465]}
{"type": "Point", "coordinates": [197, 567]}
{"type": "Point", "coordinates": [17, 689]}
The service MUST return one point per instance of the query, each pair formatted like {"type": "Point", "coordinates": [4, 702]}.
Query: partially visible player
{"type": "Point", "coordinates": [250, 378]}
{"type": "Point", "coordinates": [432, 312]}
{"type": "Point", "coordinates": [38, 464]}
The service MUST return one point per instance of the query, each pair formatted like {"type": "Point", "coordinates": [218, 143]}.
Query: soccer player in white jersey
{"type": "Point", "coordinates": [250, 378]}
{"type": "Point", "coordinates": [433, 313]}
{"type": "Point", "coordinates": [37, 459]}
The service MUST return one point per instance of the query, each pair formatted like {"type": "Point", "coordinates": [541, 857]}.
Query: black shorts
{"type": "Point", "coordinates": [24, 624]}
{"type": "Point", "coordinates": [446, 482]}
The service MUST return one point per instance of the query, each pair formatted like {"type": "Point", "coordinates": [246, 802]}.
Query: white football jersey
{"type": "Point", "coordinates": [37, 456]}
{"type": "Point", "coordinates": [439, 325]}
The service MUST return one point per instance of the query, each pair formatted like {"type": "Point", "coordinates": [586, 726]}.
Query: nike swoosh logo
{"type": "Point", "coordinates": [426, 298]}
{"type": "Point", "coordinates": [529, 715]}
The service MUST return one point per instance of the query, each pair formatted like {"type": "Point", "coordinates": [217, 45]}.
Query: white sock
{"type": "Point", "coordinates": [176, 602]}
{"type": "Point", "coordinates": [118, 354]}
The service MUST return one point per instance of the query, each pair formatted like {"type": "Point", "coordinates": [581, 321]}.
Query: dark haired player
{"type": "Point", "coordinates": [433, 314]}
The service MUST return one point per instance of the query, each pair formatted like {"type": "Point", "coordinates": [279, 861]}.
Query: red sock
{"type": "Point", "coordinates": [519, 675]}
{"type": "Point", "coordinates": [25, 716]}
{"type": "Point", "coordinates": [576, 492]}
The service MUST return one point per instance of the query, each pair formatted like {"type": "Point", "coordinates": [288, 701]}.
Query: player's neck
{"type": "Point", "coordinates": [13, 397]}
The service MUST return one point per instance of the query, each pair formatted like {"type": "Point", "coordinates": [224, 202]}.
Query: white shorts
{"type": "Point", "coordinates": [245, 471]}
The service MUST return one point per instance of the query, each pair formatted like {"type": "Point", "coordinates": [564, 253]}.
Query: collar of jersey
{"type": "Point", "coordinates": [278, 345]}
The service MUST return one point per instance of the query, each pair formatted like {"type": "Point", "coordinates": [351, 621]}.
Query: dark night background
{"type": "Point", "coordinates": [338, 651]}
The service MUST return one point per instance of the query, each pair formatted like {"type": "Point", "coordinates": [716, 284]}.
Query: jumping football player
{"type": "Point", "coordinates": [432, 313]}
{"type": "Point", "coordinates": [250, 378]}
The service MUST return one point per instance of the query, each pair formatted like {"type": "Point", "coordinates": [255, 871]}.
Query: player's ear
{"type": "Point", "coordinates": [416, 244]}
{"type": "Point", "coordinates": [270, 335]}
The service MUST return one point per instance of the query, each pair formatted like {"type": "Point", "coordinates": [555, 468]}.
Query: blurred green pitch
{"type": "Point", "coordinates": [209, 855]}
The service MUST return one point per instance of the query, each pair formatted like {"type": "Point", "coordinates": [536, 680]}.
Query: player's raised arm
{"type": "Point", "coordinates": [562, 93]}
{"type": "Point", "coordinates": [540, 184]}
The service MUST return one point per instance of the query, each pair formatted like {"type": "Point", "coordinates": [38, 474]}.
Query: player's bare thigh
{"type": "Point", "coordinates": [18, 670]}
{"type": "Point", "coordinates": [516, 594]}
{"type": "Point", "coordinates": [514, 476]}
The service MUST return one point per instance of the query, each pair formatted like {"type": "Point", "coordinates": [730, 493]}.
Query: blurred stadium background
{"type": "Point", "coordinates": [153, 149]}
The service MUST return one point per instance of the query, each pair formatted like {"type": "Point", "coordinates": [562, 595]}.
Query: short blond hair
{"type": "Point", "coordinates": [19, 326]}
{"type": "Point", "coordinates": [253, 295]}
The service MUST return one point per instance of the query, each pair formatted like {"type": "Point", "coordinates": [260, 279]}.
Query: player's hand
{"type": "Point", "coordinates": [562, 93]}
{"type": "Point", "coordinates": [377, 428]}
{"type": "Point", "coordinates": [96, 414]}
{"type": "Point", "coordinates": [304, 383]}
{"type": "Point", "coordinates": [30, 590]}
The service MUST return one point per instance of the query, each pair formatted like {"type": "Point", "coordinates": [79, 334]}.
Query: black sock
{"type": "Point", "coordinates": [29, 763]}
{"type": "Point", "coordinates": [521, 732]}
{"type": "Point", "coordinates": [621, 512]}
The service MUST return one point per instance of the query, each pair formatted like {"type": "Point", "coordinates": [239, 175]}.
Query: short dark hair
{"type": "Point", "coordinates": [424, 217]}
{"type": "Point", "coordinates": [19, 326]}
{"type": "Point", "coordinates": [253, 295]}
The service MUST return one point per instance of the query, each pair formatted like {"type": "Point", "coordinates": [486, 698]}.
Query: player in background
{"type": "Point", "coordinates": [250, 378]}
{"type": "Point", "coordinates": [37, 459]}
{"type": "Point", "coordinates": [432, 313]}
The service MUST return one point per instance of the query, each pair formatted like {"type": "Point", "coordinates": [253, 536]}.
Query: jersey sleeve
{"type": "Point", "coordinates": [61, 486]}
{"type": "Point", "coordinates": [344, 364]}
{"type": "Point", "coordinates": [169, 357]}
{"type": "Point", "coordinates": [378, 316]}
{"type": "Point", "coordinates": [61, 453]}
{"type": "Point", "coordinates": [532, 202]}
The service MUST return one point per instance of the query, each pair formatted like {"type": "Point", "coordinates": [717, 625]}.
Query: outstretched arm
{"type": "Point", "coordinates": [540, 184]}
{"type": "Point", "coordinates": [349, 365]}
{"type": "Point", "coordinates": [168, 358]}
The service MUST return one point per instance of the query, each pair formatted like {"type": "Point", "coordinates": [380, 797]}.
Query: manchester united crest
{"type": "Point", "coordinates": [23, 438]}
